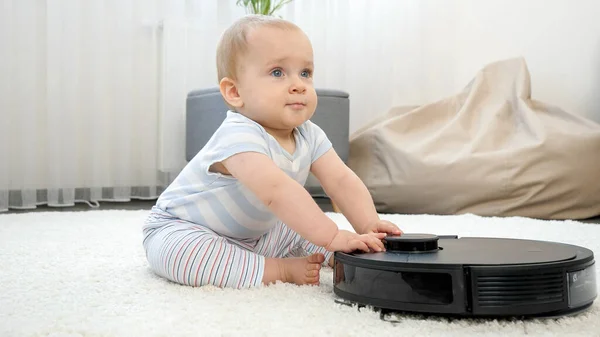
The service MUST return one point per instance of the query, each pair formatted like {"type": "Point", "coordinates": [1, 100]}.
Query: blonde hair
{"type": "Point", "coordinates": [233, 43]}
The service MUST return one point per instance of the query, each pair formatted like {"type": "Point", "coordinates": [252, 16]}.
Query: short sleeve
{"type": "Point", "coordinates": [235, 135]}
{"type": "Point", "coordinates": [319, 141]}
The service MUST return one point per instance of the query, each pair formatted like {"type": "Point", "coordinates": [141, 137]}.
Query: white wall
{"type": "Point", "coordinates": [405, 52]}
{"type": "Point", "coordinates": [559, 39]}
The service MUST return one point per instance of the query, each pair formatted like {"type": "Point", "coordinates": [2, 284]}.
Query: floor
{"type": "Point", "coordinates": [324, 203]}
{"type": "Point", "coordinates": [79, 278]}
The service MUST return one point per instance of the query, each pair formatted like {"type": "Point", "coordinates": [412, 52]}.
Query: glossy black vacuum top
{"type": "Point", "coordinates": [451, 250]}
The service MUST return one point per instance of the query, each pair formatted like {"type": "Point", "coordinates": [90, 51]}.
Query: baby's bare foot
{"type": "Point", "coordinates": [302, 270]}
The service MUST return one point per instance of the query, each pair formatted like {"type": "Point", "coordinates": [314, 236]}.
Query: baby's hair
{"type": "Point", "coordinates": [233, 42]}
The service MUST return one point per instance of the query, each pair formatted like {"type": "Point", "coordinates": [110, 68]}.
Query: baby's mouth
{"type": "Point", "coordinates": [296, 105]}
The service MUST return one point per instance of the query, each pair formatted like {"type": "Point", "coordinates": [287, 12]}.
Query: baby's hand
{"type": "Point", "coordinates": [347, 242]}
{"type": "Point", "coordinates": [383, 226]}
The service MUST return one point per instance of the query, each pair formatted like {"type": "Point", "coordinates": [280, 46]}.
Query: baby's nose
{"type": "Point", "coordinates": [298, 86]}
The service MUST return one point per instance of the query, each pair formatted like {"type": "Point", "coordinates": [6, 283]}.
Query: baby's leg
{"type": "Point", "coordinates": [300, 259]}
{"type": "Point", "coordinates": [195, 256]}
{"type": "Point", "coordinates": [283, 242]}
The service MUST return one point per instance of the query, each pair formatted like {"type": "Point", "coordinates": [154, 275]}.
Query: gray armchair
{"type": "Point", "coordinates": [205, 111]}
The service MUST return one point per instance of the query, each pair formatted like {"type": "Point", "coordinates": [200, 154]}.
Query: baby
{"type": "Point", "coordinates": [238, 214]}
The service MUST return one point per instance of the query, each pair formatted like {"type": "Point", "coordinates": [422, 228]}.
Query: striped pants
{"type": "Point", "coordinates": [194, 255]}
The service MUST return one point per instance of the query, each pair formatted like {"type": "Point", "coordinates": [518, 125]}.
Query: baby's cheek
{"type": "Point", "coordinates": [314, 98]}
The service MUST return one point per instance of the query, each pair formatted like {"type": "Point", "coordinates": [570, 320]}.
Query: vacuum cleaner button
{"type": "Point", "coordinates": [411, 243]}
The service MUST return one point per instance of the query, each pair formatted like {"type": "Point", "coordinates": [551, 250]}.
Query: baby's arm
{"type": "Point", "coordinates": [292, 204]}
{"type": "Point", "coordinates": [347, 190]}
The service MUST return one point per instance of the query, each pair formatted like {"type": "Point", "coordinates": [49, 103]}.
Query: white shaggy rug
{"type": "Point", "coordinates": [84, 274]}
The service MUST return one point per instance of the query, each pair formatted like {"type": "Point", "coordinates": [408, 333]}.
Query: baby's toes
{"type": "Point", "coordinates": [314, 279]}
{"type": "Point", "coordinates": [316, 258]}
{"type": "Point", "coordinates": [312, 273]}
{"type": "Point", "coordinates": [313, 266]}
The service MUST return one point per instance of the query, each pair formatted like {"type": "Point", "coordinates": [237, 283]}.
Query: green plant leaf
{"type": "Point", "coordinates": [264, 7]}
{"type": "Point", "coordinates": [279, 5]}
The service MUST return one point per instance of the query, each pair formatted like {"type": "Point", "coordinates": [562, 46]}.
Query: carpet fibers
{"type": "Point", "coordinates": [85, 274]}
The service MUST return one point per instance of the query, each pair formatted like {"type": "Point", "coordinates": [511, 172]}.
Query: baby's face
{"type": "Point", "coordinates": [275, 78]}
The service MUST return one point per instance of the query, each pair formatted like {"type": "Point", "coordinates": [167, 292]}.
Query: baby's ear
{"type": "Point", "coordinates": [230, 93]}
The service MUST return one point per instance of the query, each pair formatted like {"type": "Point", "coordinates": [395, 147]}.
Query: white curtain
{"type": "Point", "coordinates": [92, 93]}
{"type": "Point", "coordinates": [79, 99]}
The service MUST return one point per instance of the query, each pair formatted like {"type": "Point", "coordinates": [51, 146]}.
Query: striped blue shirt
{"type": "Point", "coordinates": [220, 202]}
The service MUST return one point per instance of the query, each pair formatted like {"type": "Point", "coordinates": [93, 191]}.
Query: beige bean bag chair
{"type": "Point", "coordinates": [490, 150]}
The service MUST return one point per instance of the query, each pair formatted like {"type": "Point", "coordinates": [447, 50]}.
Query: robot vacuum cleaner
{"type": "Point", "coordinates": [469, 276]}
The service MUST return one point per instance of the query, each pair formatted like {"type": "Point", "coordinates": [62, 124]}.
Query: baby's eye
{"type": "Point", "coordinates": [306, 73]}
{"type": "Point", "coordinates": [277, 73]}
